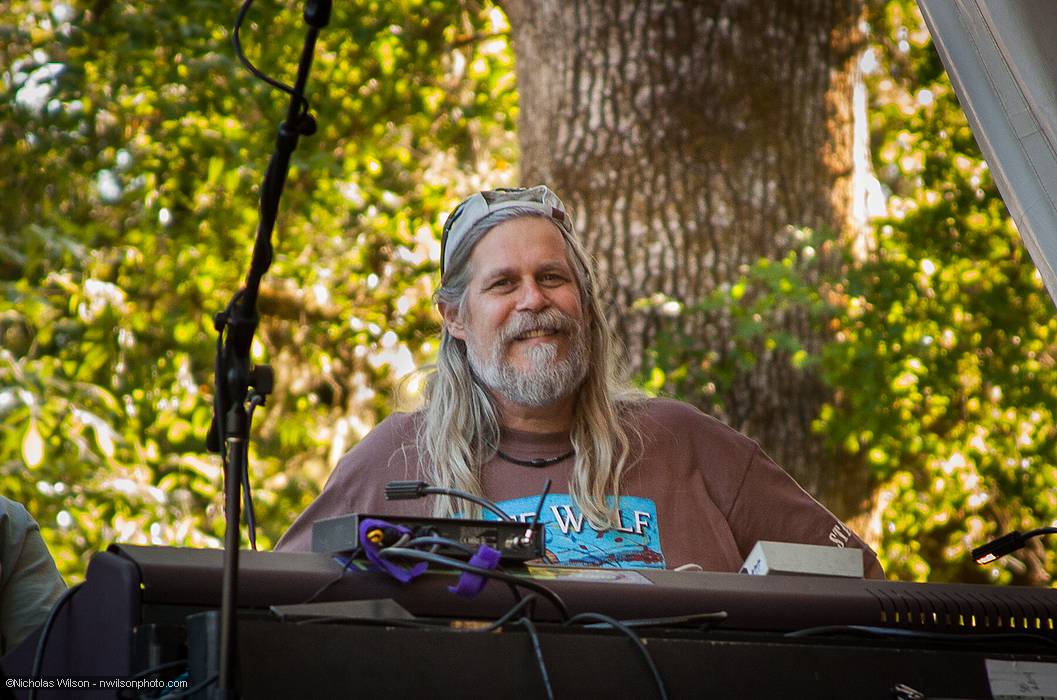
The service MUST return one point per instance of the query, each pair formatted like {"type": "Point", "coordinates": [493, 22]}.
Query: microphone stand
{"type": "Point", "coordinates": [229, 432]}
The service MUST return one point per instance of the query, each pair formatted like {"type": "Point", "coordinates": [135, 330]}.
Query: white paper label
{"type": "Point", "coordinates": [1022, 680]}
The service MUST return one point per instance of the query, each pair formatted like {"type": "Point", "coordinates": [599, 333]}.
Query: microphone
{"type": "Point", "coordinates": [410, 490]}
{"type": "Point", "coordinates": [1006, 544]}
{"type": "Point", "coordinates": [405, 490]}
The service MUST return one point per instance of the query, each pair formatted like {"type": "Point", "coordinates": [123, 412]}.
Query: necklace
{"type": "Point", "coordinates": [539, 462]}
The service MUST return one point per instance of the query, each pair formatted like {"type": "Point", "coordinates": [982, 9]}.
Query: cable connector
{"type": "Point", "coordinates": [998, 547]}
{"type": "Point", "coordinates": [383, 536]}
{"type": "Point", "coordinates": [1001, 546]}
{"type": "Point", "coordinates": [526, 539]}
{"type": "Point", "coordinates": [405, 490]}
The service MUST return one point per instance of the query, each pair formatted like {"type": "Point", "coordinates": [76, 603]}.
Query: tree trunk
{"type": "Point", "coordinates": [688, 137]}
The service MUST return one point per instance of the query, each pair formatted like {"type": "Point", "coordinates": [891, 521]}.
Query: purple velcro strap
{"type": "Point", "coordinates": [470, 584]}
{"type": "Point", "coordinates": [400, 573]}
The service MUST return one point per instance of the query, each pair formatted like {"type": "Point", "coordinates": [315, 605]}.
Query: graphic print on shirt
{"type": "Point", "coordinates": [635, 543]}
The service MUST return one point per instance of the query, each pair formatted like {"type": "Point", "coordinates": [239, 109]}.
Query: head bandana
{"type": "Point", "coordinates": [480, 205]}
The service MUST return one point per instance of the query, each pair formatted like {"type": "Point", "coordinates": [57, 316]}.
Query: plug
{"type": "Point", "coordinates": [999, 547]}
{"type": "Point", "coordinates": [405, 490]}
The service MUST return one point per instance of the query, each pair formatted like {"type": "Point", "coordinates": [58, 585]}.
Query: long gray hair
{"type": "Point", "coordinates": [460, 428]}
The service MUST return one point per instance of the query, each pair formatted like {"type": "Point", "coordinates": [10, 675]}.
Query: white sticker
{"type": "Point", "coordinates": [1022, 680]}
{"type": "Point", "coordinates": [588, 574]}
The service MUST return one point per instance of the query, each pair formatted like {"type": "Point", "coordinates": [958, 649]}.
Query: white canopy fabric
{"type": "Point", "coordinates": [1001, 56]}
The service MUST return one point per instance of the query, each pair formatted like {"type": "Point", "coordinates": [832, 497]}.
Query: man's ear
{"type": "Point", "coordinates": [452, 320]}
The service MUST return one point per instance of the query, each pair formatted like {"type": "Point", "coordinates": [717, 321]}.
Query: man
{"type": "Point", "coordinates": [527, 388]}
{"type": "Point", "coordinates": [29, 582]}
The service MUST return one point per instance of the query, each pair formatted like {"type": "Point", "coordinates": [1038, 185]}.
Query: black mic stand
{"type": "Point", "coordinates": [229, 432]}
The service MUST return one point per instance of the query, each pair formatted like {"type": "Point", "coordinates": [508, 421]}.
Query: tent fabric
{"type": "Point", "coordinates": [1001, 57]}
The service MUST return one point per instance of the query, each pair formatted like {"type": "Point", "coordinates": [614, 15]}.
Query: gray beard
{"type": "Point", "coordinates": [547, 381]}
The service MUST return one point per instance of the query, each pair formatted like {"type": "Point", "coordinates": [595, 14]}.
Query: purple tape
{"type": "Point", "coordinates": [400, 573]}
{"type": "Point", "coordinates": [470, 584]}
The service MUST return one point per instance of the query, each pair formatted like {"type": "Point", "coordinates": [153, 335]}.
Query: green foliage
{"type": "Point", "coordinates": [136, 143]}
{"type": "Point", "coordinates": [133, 144]}
{"type": "Point", "coordinates": [757, 305]}
{"type": "Point", "coordinates": [945, 356]}
{"type": "Point", "coordinates": [943, 360]}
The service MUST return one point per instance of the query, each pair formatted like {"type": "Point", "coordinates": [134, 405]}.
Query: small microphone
{"type": "Point", "coordinates": [409, 490]}
{"type": "Point", "coordinates": [405, 490]}
{"type": "Point", "coordinates": [1006, 544]}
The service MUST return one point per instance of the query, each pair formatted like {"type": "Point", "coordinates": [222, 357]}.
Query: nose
{"type": "Point", "coordinates": [532, 297]}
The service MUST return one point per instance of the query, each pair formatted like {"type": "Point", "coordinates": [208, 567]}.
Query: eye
{"type": "Point", "coordinates": [553, 279]}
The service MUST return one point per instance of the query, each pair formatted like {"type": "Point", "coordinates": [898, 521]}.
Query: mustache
{"type": "Point", "coordinates": [526, 322]}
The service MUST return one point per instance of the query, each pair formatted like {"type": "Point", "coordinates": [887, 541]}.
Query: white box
{"type": "Point", "coordinates": [791, 559]}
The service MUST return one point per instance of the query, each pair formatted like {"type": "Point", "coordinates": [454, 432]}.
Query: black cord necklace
{"type": "Point", "coordinates": [538, 462]}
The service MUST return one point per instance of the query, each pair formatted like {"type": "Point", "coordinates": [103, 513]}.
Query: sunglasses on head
{"type": "Point", "coordinates": [477, 206]}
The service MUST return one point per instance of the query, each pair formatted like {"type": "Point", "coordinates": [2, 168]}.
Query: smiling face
{"type": "Point", "coordinates": [522, 318]}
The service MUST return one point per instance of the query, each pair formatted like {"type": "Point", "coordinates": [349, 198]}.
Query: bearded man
{"type": "Point", "coordinates": [527, 387]}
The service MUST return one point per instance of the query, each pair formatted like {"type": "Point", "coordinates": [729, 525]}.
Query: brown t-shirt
{"type": "Point", "coordinates": [698, 492]}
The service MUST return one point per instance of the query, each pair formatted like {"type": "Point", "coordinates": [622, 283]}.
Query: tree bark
{"type": "Point", "coordinates": [688, 137]}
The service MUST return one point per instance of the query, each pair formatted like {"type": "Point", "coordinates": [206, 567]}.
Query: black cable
{"type": "Point", "coordinates": [219, 418]}
{"type": "Point", "coordinates": [410, 490]}
{"type": "Point", "coordinates": [434, 540]}
{"type": "Point", "coordinates": [126, 693]}
{"type": "Point", "coordinates": [527, 601]}
{"type": "Point", "coordinates": [513, 589]}
{"type": "Point", "coordinates": [171, 689]}
{"type": "Point", "coordinates": [247, 494]}
{"type": "Point", "coordinates": [381, 621]}
{"type": "Point", "coordinates": [971, 638]}
{"type": "Point", "coordinates": [247, 497]}
{"type": "Point", "coordinates": [554, 598]}
{"type": "Point", "coordinates": [459, 493]}
{"type": "Point", "coordinates": [1007, 544]}
{"type": "Point", "coordinates": [158, 669]}
{"type": "Point", "coordinates": [218, 395]}
{"type": "Point", "coordinates": [511, 581]}
{"type": "Point", "coordinates": [244, 478]}
{"type": "Point", "coordinates": [539, 509]}
{"type": "Point", "coordinates": [322, 589]}
{"type": "Point", "coordinates": [444, 541]}
{"type": "Point", "coordinates": [697, 619]}
{"type": "Point", "coordinates": [193, 690]}
{"type": "Point", "coordinates": [289, 90]}
{"type": "Point", "coordinates": [518, 606]}
{"type": "Point", "coordinates": [45, 632]}
{"type": "Point", "coordinates": [437, 541]}
{"type": "Point", "coordinates": [538, 651]}
{"type": "Point", "coordinates": [630, 633]}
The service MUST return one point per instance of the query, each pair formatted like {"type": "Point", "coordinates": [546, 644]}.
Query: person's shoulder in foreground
{"type": "Point", "coordinates": [29, 582]}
